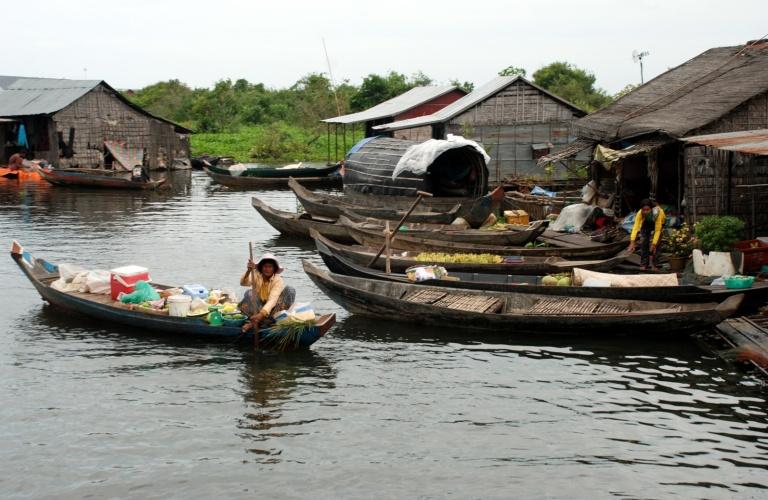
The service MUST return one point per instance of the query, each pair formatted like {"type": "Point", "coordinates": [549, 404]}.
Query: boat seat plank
{"type": "Point", "coordinates": [424, 296]}
{"type": "Point", "coordinates": [458, 301]}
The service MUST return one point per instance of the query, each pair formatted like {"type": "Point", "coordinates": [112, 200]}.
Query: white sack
{"type": "Point", "coordinates": [580, 277]}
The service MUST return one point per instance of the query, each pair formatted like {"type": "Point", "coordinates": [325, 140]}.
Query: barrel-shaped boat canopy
{"type": "Point", "coordinates": [369, 167]}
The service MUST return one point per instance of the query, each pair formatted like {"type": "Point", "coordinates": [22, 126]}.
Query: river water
{"type": "Point", "coordinates": [377, 409]}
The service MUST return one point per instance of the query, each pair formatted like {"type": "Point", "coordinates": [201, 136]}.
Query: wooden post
{"type": "Point", "coordinates": [253, 300]}
{"type": "Point", "coordinates": [388, 240]}
{"type": "Point", "coordinates": [420, 195]}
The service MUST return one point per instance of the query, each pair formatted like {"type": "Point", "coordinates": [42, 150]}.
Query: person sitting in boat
{"type": "Point", "coordinates": [272, 296]}
{"type": "Point", "coordinates": [649, 221]}
{"type": "Point", "coordinates": [16, 161]}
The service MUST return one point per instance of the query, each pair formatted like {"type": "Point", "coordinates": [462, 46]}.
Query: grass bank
{"type": "Point", "coordinates": [278, 142]}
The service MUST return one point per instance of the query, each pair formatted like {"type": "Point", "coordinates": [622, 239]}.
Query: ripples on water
{"type": "Point", "coordinates": [376, 409]}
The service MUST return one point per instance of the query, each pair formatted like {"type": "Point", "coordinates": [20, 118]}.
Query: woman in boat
{"type": "Point", "coordinates": [649, 221]}
{"type": "Point", "coordinates": [272, 296]}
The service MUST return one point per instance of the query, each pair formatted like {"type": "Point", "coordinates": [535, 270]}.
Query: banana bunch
{"type": "Point", "coordinates": [460, 258]}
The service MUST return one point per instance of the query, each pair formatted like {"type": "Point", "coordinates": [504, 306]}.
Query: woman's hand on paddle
{"type": "Point", "coordinates": [251, 265]}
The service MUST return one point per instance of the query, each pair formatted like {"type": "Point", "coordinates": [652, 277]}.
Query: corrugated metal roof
{"type": "Point", "coordinates": [475, 97]}
{"type": "Point", "coordinates": [40, 96]}
{"type": "Point", "coordinates": [395, 106]}
{"type": "Point", "coordinates": [748, 141]}
{"type": "Point", "coordinates": [22, 96]}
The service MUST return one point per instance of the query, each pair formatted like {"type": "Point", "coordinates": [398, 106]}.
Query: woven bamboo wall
{"type": "Point", "coordinates": [100, 116]}
{"type": "Point", "coordinates": [708, 188]}
{"type": "Point", "coordinates": [510, 123]}
{"type": "Point", "coordinates": [418, 134]}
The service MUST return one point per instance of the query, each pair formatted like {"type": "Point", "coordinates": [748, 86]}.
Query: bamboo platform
{"type": "Point", "coordinates": [750, 332]}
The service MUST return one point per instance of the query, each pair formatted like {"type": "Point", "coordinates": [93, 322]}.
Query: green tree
{"type": "Point", "coordinates": [572, 84]}
{"type": "Point", "coordinates": [512, 71]}
{"type": "Point", "coordinates": [171, 100]}
{"type": "Point", "coordinates": [626, 90]}
{"type": "Point", "coordinates": [465, 86]}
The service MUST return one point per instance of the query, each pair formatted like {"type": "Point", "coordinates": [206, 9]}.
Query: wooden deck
{"type": "Point", "coordinates": [750, 332]}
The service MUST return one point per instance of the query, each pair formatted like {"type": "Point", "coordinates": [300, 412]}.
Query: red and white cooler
{"type": "Point", "coordinates": [123, 279]}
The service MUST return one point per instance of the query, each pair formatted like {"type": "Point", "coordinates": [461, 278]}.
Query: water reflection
{"type": "Point", "coordinates": [278, 389]}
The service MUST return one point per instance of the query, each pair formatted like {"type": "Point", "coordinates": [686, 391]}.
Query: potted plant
{"type": "Point", "coordinates": [680, 245]}
{"type": "Point", "coordinates": [716, 235]}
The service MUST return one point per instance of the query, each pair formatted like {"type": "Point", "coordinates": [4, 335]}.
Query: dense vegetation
{"type": "Point", "coordinates": [256, 123]}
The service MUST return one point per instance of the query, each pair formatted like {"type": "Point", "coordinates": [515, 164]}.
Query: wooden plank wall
{"type": "Point", "coordinates": [100, 116]}
{"type": "Point", "coordinates": [510, 122]}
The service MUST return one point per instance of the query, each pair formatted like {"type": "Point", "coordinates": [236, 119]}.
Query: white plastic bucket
{"type": "Point", "coordinates": [178, 305]}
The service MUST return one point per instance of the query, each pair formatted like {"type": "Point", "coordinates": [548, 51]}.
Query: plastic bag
{"type": "Point", "coordinates": [143, 292]}
{"type": "Point", "coordinates": [297, 312]}
{"type": "Point", "coordinates": [96, 282]}
{"type": "Point", "coordinates": [542, 192]}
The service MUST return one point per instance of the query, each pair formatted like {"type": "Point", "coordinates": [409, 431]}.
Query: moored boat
{"type": "Point", "coordinates": [515, 235]}
{"type": "Point", "coordinates": [294, 224]}
{"type": "Point", "coordinates": [261, 177]}
{"type": "Point", "coordinates": [405, 240]}
{"type": "Point", "coordinates": [97, 178]}
{"type": "Point", "coordinates": [24, 174]}
{"type": "Point", "coordinates": [510, 313]}
{"type": "Point", "coordinates": [332, 207]}
{"type": "Point", "coordinates": [527, 265]}
{"type": "Point", "coordinates": [42, 274]}
{"type": "Point", "coordinates": [533, 284]}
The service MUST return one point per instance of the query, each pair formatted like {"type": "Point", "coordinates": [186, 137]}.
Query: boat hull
{"type": "Point", "coordinates": [319, 178]}
{"type": "Point", "coordinates": [71, 178]}
{"type": "Point", "coordinates": [111, 313]}
{"type": "Point", "coordinates": [376, 298]}
{"type": "Point", "coordinates": [296, 225]}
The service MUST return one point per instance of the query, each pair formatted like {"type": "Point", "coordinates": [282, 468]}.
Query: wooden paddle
{"type": "Point", "coordinates": [253, 299]}
{"type": "Point", "coordinates": [420, 195]}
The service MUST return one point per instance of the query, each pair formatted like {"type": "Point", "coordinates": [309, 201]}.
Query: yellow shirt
{"type": "Point", "coordinates": [658, 219]}
{"type": "Point", "coordinates": [269, 290]}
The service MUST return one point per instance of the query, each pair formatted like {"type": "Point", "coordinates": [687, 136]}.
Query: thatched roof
{"type": "Point", "coordinates": [684, 98]}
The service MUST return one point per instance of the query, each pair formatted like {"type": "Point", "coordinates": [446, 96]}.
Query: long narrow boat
{"type": "Point", "coordinates": [532, 284]}
{"type": "Point", "coordinates": [294, 224]}
{"type": "Point", "coordinates": [514, 235]}
{"type": "Point", "coordinates": [333, 207]}
{"type": "Point", "coordinates": [402, 260]}
{"type": "Point", "coordinates": [96, 178]}
{"type": "Point", "coordinates": [367, 235]}
{"type": "Point", "coordinates": [515, 312]}
{"type": "Point", "coordinates": [102, 307]}
{"type": "Point", "coordinates": [262, 177]}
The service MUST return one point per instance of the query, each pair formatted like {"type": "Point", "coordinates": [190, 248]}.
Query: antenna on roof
{"type": "Point", "coordinates": [85, 73]}
{"type": "Point", "coordinates": [638, 57]}
{"type": "Point", "coordinates": [330, 74]}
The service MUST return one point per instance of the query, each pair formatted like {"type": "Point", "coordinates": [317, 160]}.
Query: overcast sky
{"type": "Point", "coordinates": [136, 43]}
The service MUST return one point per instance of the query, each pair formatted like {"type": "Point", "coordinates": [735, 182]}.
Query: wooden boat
{"type": "Point", "coordinates": [506, 312]}
{"type": "Point", "coordinates": [333, 206]}
{"type": "Point", "coordinates": [526, 265]}
{"type": "Point", "coordinates": [532, 284]}
{"type": "Point", "coordinates": [514, 235]}
{"type": "Point", "coordinates": [96, 178]}
{"type": "Point", "coordinates": [262, 177]}
{"type": "Point", "coordinates": [102, 307]}
{"type": "Point", "coordinates": [294, 224]}
{"type": "Point", "coordinates": [366, 235]}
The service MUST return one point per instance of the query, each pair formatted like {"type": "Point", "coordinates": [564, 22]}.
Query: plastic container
{"type": "Point", "coordinates": [233, 319]}
{"type": "Point", "coordinates": [123, 279]}
{"type": "Point", "coordinates": [178, 305]}
{"type": "Point", "coordinates": [738, 282]}
{"type": "Point", "coordinates": [517, 217]}
{"type": "Point", "coordinates": [755, 254]}
{"type": "Point", "coordinates": [198, 291]}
